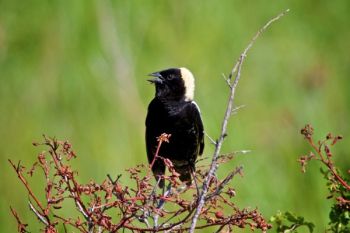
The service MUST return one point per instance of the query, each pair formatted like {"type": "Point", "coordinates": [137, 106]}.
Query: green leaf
{"type": "Point", "coordinates": [288, 222]}
{"type": "Point", "coordinates": [291, 217]}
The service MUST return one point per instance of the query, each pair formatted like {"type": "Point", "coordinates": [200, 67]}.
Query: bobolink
{"type": "Point", "coordinates": [173, 111]}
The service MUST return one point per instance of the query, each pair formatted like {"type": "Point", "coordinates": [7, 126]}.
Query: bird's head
{"type": "Point", "coordinates": [174, 84]}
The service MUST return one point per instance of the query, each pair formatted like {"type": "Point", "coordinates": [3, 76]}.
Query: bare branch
{"type": "Point", "coordinates": [236, 70]}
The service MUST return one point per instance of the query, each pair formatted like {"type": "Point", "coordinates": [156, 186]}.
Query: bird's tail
{"type": "Point", "coordinates": [185, 173]}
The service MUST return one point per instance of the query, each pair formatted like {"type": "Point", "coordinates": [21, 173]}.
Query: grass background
{"type": "Point", "coordinates": [76, 70]}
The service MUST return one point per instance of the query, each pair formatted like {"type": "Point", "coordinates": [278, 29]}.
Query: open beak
{"type": "Point", "coordinates": [157, 78]}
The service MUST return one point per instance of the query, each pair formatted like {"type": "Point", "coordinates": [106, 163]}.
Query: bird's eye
{"type": "Point", "coordinates": [171, 77]}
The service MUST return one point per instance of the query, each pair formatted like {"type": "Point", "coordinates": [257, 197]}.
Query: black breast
{"type": "Point", "coordinates": [181, 119]}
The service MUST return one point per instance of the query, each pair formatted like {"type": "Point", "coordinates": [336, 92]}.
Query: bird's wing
{"type": "Point", "coordinates": [199, 126]}
{"type": "Point", "coordinates": [151, 129]}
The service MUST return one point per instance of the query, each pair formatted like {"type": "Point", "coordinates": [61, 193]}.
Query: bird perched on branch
{"type": "Point", "coordinates": [173, 111]}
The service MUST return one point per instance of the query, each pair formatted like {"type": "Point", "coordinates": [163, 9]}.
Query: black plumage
{"type": "Point", "coordinates": [174, 112]}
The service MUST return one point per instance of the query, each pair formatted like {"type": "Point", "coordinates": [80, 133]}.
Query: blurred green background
{"type": "Point", "coordinates": [77, 69]}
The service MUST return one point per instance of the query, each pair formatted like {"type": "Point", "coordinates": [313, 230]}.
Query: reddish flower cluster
{"type": "Point", "coordinates": [139, 207]}
{"type": "Point", "coordinates": [323, 154]}
{"type": "Point", "coordinates": [338, 184]}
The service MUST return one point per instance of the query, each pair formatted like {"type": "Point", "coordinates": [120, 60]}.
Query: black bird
{"type": "Point", "coordinates": [173, 111]}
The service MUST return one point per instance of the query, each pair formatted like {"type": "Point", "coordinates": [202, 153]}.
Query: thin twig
{"type": "Point", "coordinates": [73, 191]}
{"type": "Point", "coordinates": [161, 205]}
{"type": "Point", "coordinates": [210, 139]}
{"type": "Point", "coordinates": [21, 227]}
{"type": "Point", "coordinates": [236, 70]}
{"type": "Point", "coordinates": [226, 80]}
{"type": "Point", "coordinates": [328, 163]}
{"type": "Point", "coordinates": [67, 221]}
{"type": "Point", "coordinates": [25, 183]}
{"type": "Point", "coordinates": [36, 212]}
{"type": "Point", "coordinates": [235, 110]}
{"type": "Point", "coordinates": [223, 184]}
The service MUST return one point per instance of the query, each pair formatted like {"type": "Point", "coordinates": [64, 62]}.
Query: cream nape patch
{"type": "Point", "coordinates": [188, 78]}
